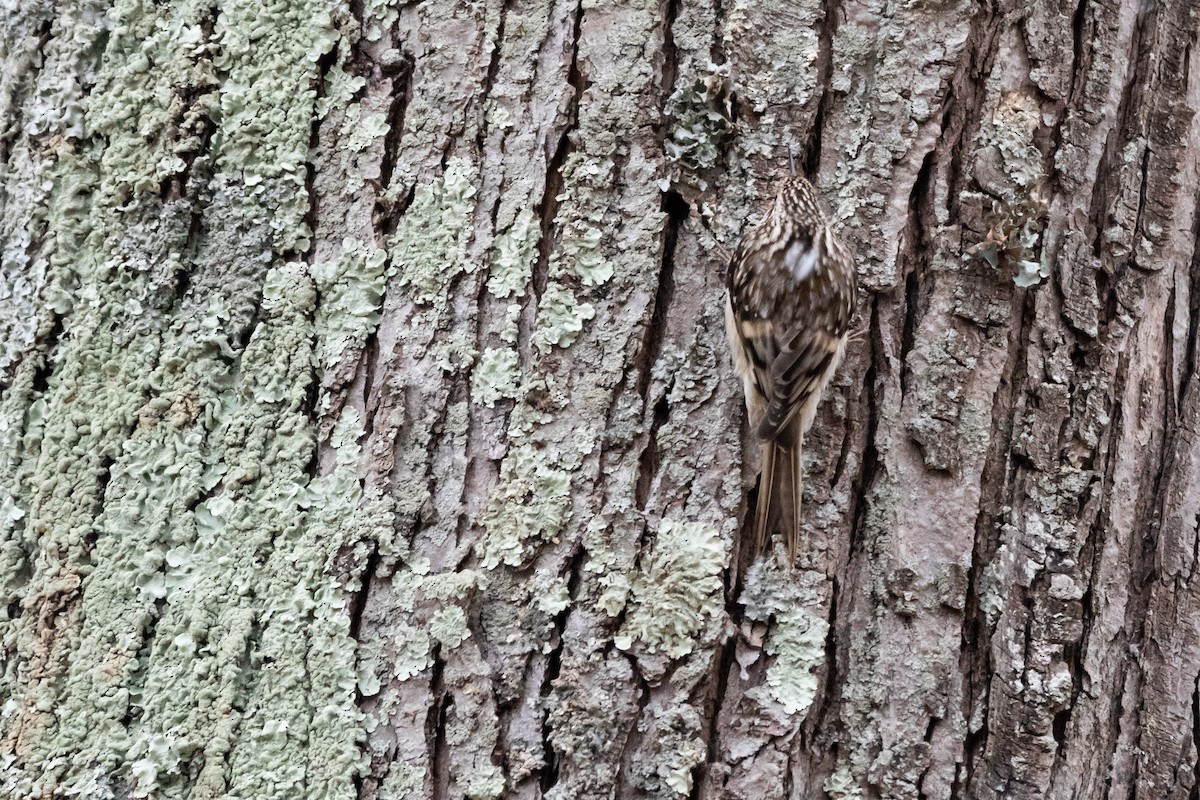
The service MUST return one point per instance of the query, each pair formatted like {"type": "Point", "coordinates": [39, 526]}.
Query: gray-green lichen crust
{"type": "Point", "coordinates": [678, 587]}
{"type": "Point", "coordinates": [210, 652]}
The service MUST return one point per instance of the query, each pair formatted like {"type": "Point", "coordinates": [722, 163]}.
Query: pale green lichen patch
{"type": "Point", "coordinates": [555, 599]}
{"type": "Point", "coordinates": [1011, 129]}
{"type": "Point", "coordinates": [580, 254]}
{"type": "Point", "coordinates": [794, 602]}
{"type": "Point", "coordinates": [403, 781]}
{"type": "Point", "coordinates": [496, 376]}
{"type": "Point", "coordinates": [798, 644]}
{"type": "Point", "coordinates": [351, 288]}
{"type": "Point", "coordinates": [678, 775]}
{"type": "Point", "coordinates": [779, 67]}
{"type": "Point", "coordinates": [676, 590]}
{"type": "Point", "coordinates": [429, 249]}
{"type": "Point", "coordinates": [269, 54]}
{"type": "Point", "coordinates": [360, 130]}
{"type": "Point", "coordinates": [842, 785]}
{"type": "Point", "coordinates": [63, 64]}
{"type": "Point", "coordinates": [378, 16]}
{"type": "Point", "coordinates": [449, 626]}
{"type": "Point", "coordinates": [410, 651]}
{"type": "Point", "coordinates": [154, 56]}
{"type": "Point", "coordinates": [340, 89]}
{"type": "Point", "coordinates": [586, 258]}
{"type": "Point", "coordinates": [614, 595]}
{"type": "Point", "coordinates": [671, 750]}
{"type": "Point", "coordinates": [702, 126]}
{"type": "Point", "coordinates": [513, 256]}
{"type": "Point", "coordinates": [484, 783]}
{"type": "Point", "coordinates": [527, 508]}
{"type": "Point", "coordinates": [414, 590]}
{"type": "Point", "coordinates": [210, 654]}
{"type": "Point", "coordinates": [313, 661]}
{"type": "Point", "coordinates": [560, 318]}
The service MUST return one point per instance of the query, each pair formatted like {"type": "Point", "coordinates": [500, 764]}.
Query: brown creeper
{"type": "Point", "coordinates": [792, 289]}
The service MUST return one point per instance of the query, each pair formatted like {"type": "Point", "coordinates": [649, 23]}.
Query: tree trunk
{"type": "Point", "coordinates": [367, 426]}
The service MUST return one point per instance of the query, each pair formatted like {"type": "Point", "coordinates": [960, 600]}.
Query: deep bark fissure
{"type": "Point", "coordinates": [401, 76]}
{"type": "Point", "coordinates": [547, 209]}
{"type": "Point", "coordinates": [918, 277]}
{"type": "Point", "coordinates": [811, 158]}
{"type": "Point", "coordinates": [435, 728]}
{"type": "Point", "coordinates": [634, 737]}
{"type": "Point", "coordinates": [358, 600]}
{"type": "Point", "coordinates": [655, 332]}
{"type": "Point", "coordinates": [648, 461]}
{"type": "Point", "coordinates": [1190, 363]}
{"type": "Point", "coordinates": [873, 388]}
{"type": "Point", "coordinates": [324, 65]}
{"type": "Point", "coordinates": [928, 737]}
{"type": "Point", "coordinates": [548, 774]}
{"type": "Point", "coordinates": [669, 10]}
{"type": "Point", "coordinates": [824, 711]}
{"type": "Point", "coordinates": [40, 384]}
{"type": "Point", "coordinates": [718, 683]}
{"type": "Point", "coordinates": [1077, 53]}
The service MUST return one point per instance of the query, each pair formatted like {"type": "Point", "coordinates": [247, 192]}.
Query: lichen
{"type": "Point", "coordinates": [798, 644]}
{"type": "Point", "coordinates": [1013, 236]}
{"type": "Point", "coordinates": [675, 591]}
{"type": "Point", "coordinates": [555, 599]}
{"type": "Point", "coordinates": [1011, 129]}
{"type": "Point", "coordinates": [351, 289]}
{"type": "Point", "coordinates": [584, 254]}
{"type": "Point", "coordinates": [514, 252]}
{"type": "Point", "coordinates": [429, 248]}
{"type": "Point", "coordinates": [410, 651]}
{"type": "Point", "coordinates": [496, 376]}
{"type": "Point", "coordinates": [701, 116]}
{"type": "Point", "coordinates": [784, 67]}
{"type": "Point", "coordinates": [1011, 173]}
{"type": "Point", "coordinates": [484, 783]}
{"type": "Point", "coordinates": [841, 785]}
{"type": "Point", "coordinates": [449, 626]}
{"type": "Point", "coordinates": [560, 318]}
{"type": "Point", "coordinates": [528, 507]}
{"type": "Point", "coordinates": [360, 130]}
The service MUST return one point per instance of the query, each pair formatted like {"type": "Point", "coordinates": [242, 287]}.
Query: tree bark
{"type": "Point", "coordinates": [367, 426]}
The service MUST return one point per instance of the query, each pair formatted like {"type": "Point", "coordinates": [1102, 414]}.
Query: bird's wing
{"type": "Point", "coordinates": [796, 375]}
{"type": "Point", "coordinates": [804, 356]}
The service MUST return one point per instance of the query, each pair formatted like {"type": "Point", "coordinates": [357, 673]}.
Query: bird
{"type": "Point", "coordinates": [791, 290]}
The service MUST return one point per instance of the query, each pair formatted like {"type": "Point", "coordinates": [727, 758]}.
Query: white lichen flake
{"type": "Point", "coordinates": [560, 318]}
{"type": "Point", "coordinates": [351, 289]}
{"type": "Point", "coordinates": [798, 644]}
{"type": "Point", "coordinates": [676, 591]}
{"type": "Point", "coordinates": [496, 376]}
{"type": "Point", "coordinates": [528, 506]}
{"type": "Point", "coordinates": [514, 252]}
{"type": "Point", "coordinates": [429, 249]}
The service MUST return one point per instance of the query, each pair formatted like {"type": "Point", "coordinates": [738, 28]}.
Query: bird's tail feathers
{"type": "Point", "coordinates": [780, 493]}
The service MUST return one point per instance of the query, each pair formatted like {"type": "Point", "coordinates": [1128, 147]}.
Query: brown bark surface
{"type": "Point", "coordinates": [367, 426]}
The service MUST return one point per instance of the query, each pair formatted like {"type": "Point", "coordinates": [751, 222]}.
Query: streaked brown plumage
{"type": "Point", "coordinates": [792, 289]}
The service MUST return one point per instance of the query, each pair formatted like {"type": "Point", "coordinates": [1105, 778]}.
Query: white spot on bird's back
{"type": "Point", "coordinates": [801, 260]}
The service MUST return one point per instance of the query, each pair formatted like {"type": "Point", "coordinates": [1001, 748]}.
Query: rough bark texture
{"type": "Point", "coordinates": [367, 427]}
